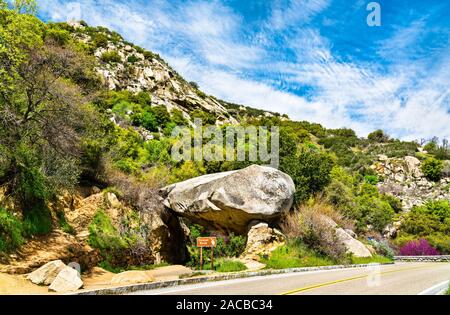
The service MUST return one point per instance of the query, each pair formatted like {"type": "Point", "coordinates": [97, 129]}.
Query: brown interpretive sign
{"type": "Point", "coordinates": [206, 242]}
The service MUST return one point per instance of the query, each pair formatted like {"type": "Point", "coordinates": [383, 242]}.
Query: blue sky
{"type": "Point", "coordinates": [315, 60]}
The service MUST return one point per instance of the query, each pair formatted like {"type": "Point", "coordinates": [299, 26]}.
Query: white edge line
{"type": "Point", "coordinates": [437, 289]}
{"type": "Point", "coordinates": [188, 287]}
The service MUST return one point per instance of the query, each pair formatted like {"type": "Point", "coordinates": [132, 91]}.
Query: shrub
{"type": "Point", "coordinates": [371, 179]}
{"type": "Point", "coordinates": [59, 36]}
{"type": "Point", "coordinates": [111, 57]}
{"type": "Point", "coordinates": [234, 247]}
{"type": "Point", "coordinates": [147, 120]}
{"type": "Point", "coordinates": [99, 40]}
{"type": "Point", "coordinates": [378, 136]}
{"type": "Point", "coordinates": [206, 118]}
{"type": "Point", "coordinates": [103, 234]}
{"type": "Point", "coordinates": [161, 114]}
{"type": "Point", "coordinates": [382, 248]}
{"type": "Point", "coordinates": [133, 59]}
{"type": "Point", "coordinates": [432, 169]}
{"type": "Point", "coordinates": [418, 248]}
{"type": "Point", "coordinates": [37, 220]}
{"type": "Point", "coordinates": [11, 231]}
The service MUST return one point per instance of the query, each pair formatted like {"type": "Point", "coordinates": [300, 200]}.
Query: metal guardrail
{"type": "Point", "coordinates": [438, 258]}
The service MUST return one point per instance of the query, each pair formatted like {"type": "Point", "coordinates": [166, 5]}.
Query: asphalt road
{"type": "Point", "coordinates": [401, 278]}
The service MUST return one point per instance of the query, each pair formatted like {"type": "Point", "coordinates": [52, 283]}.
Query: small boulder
{"type": "Point", "coordinates": [46, 273]}
{"type": "Point", "coordinates": [129, 277]}
{"type": "Point", "coordinates": [352, 245]}
{"type": "Point", "coordinates": [112, 200]}
{"type": "Point", "coordinates": [68, 279]}
{"type": "Point", "coordinates": [262, 240]}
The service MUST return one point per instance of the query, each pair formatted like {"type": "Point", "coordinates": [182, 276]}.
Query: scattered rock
{"type": "Point", "coordinates": [352, 245]}
{"type": "Point", "coordinates": [112, 200]}
{"type": "Point", "coordinates": [229, 201]}
{"type": "Point", "coordinates": [47, 273]}
{"type": "Point", "coordinates": [67, 280]}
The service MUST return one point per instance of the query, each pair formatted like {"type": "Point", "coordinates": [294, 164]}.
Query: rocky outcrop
{"type": "Point", "coordinates": [230, 201]}
{"type": "Point", "coordinates": [262, 240]}
{"type": "Point", "coordinates": [138, 71]}
{"type": "Point", "coordinates": [68, 279]}
{"type": "Point", "coordinates": [46, 274]}
{"type": "Point", "coordinates": [402, 178]}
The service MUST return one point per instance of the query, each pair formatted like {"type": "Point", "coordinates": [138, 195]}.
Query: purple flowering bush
{"type": "Point", "coordinates": [418, 248]}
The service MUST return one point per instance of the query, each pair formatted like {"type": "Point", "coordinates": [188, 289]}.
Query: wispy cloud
{"type": "Point", "coordinates": [292, 59]}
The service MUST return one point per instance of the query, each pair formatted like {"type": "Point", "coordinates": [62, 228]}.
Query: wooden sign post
{"type": "Point", "coordinates": [210, 242]}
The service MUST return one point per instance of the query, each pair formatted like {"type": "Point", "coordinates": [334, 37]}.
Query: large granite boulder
{"type": "Point", "coordinates": [229, 201]}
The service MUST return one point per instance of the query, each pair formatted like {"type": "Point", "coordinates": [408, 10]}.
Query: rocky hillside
{"type": "Point", "coordinates": [124, 66]}
{"type": "Point", "coordinates": [403, 178]}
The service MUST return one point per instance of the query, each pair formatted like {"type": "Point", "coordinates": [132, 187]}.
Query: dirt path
{"type": "Point", "coordinates": [18, 285]}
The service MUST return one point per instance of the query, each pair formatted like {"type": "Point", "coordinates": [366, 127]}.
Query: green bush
{"type": "Point", "coordinates": [11, 231]}
{"type": "Point", "coordinates": [64, 225]}
{"type": "Point", "coordinates": [103, 235]}
{"type": "Point", "coordinates": [111, 57]}
{"type": "Point", "coordinates": [37, 220]}
{"type": "Point", "coordinates": [378, 136]}
{"type": "Point", "coordinates": [371, 179]}
{"type": "Point", "coordinates": [161, 114]}
{"type": "Point", "coordinates": [432, 169]}
{"type": "Point", "coordinates": [148, 55]}
{"type": "Point", "coordinates": [99, 40]}
{"type": "Point", "coordinates": [206, 118]}
{"type": "Point", "coordinates": [233, 248]}
{"type": "Point", "coordinates": [59, 36]}
{"type": "Point", "coordinates": [133, 59]}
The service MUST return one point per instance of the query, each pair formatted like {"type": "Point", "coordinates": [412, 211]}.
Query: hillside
{"type": "Point", "coordinates": [86, 123]}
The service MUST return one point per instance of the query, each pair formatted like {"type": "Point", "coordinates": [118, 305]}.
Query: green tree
{"type": "Point", "coordinates": [378, 136]}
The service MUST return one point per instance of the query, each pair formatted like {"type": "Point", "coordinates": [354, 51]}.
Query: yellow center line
{"type": "Point", "coordinates": [311, 287]}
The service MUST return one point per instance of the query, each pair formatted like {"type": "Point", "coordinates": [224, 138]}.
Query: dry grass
{"type": "Point", "coordinates": [313, 223]}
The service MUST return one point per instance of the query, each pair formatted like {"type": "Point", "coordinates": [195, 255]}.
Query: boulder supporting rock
{"type": "Point", "coordinates": [262, 240]}
{"type": "Point", "coordinates": [67, 280]}
{"type": "Point", "coordinates": [230, 201]}
{"type": "Point", "coordinates": [47, 273]}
